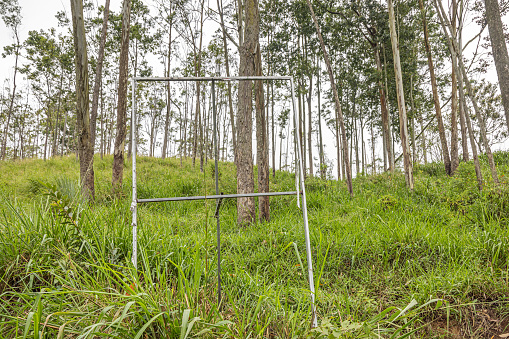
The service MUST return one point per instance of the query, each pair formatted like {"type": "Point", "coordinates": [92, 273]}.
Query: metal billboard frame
{"type": "Point", "coordinates": [299, 179]}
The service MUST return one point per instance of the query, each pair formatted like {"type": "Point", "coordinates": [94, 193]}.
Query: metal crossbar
{"type": "Point", "coordinates": [221, 196]}
{"type": "Point", "coordinates": [299, 179]}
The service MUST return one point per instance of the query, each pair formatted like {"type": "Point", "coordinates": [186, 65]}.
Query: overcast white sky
{"type": "Point", "coordinates": [37, 15]}
{"type": "Point", "coordinates": [40, 14]}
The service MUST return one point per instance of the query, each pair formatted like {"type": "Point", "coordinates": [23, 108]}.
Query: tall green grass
{"type": "Point", "coordinates": [388, 263]}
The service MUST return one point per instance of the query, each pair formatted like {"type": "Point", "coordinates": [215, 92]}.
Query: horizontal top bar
{"type": "Point", "coordinates": [238, 78]}
{"type": "Point", "coordinates": [223, 196]}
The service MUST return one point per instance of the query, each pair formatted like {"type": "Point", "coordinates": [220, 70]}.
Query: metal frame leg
{"type": "Point", "coordinates": [134, 204]}
{"type": "Point", "coordinates": [304, 213]}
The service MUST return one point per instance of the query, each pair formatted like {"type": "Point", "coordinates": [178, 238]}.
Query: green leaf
{"type": "Point", "coordinates": [142, 330]}
{"type": "Point", "coordinates": [183, 326]}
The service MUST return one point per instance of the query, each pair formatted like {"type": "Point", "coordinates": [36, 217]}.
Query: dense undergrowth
{"type": "Point", "coordinates": [388, 263]}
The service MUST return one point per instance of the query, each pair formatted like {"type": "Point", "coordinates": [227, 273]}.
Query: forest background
{"type": "Point", "coordinates": [43, 16]}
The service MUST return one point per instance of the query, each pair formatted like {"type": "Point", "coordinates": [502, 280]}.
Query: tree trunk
{"type": "Point", "coordinates": [153, 119]}
{"type": "Point", "coordinates": [205, 135]}
{"type": "Point", "coordinates": [373, 158]}
{"type": "Point", "coordinates": [384, 149]}
{"type": "Point", "coordinates": [299, 130]}
{"type": "Point", "coordinates": [98, 75]}
{"type": "Point", "coordinates": [462, 108]}
{"type": "Point", "coordinates": [323, 172]}
{"type": "Point", "coordinates": [85, 149]}
{"type": "Point", "coordinates": [22, 130]}
{"type": "Point", "coordinates": [464, 137]}
{"type": "Point", "coordinates": [302, 108]}
{"type": "Point", "coordinates": [229, 85]}
{"type": "Point", "coordinates": [245, 184]}
{"type": "Point", "coordinates": [478, 172]}
{"type": "Point", "coordinates": [385, 112]}
{"type": "Point", "coordinates": [195, 124]}
{"type": "Point", "coordinates": [186, 121]}
{"type": "Point", "coordinates": [436, 99]}
{"type": "Point", "coordinates": [240, 26]}
{"type": "Point", "coordinates": [63, 135]}
{"type": "Point", "coordinates": [118, 153]}
{"type": "Point", "coordinates": [470, 132]}
{"type": "Point", "coordinates": [401, 99]}
{"type": "Point", "coordinates": [14, 147]}
{"type": "Point", "coordinates": [288, 133]}
{"type": "Point", "coordinates": [3, 152]}
{"type": "Point", "coordinates": [499, 49]}
{"type": "Point", "coordinates": [168, 92]}
{"type": "Point", "coordinates": [48, 124]}
{"type": "Point", "coordinates": [423, 140]}
{"type": "Point", "coordinates": [365, 156]}
{"type": "Point", "coordinates": [412, 119]}
{"type": "Point", "coordinates": [363, 153]}
{"type": "Point", "coordinates": [303, 132]}
{"type": "Point", "coordinates": [101, 145]}
{"type": "Point", "coordinates": [262, 143]}
{"type": "Point", "coordinates": [339, 112]}
{"type": "Point", "coordinates": [390, 138]}
{"type": "Point", "coordinates": [111, 129]}
{"type": "Point", "coordinates": [339, 150]}
{"type": "Point", "coordinates": [54, 150]}
{"type": "Point", "coordinates": [281, 150]}
{"type": "Point", "coordinates": [135, 73]}
{"type": "Point", "coordinates": [454, 102]}
{"type": "Point", "coordinates": [201, 124]}
{"type": "Point", "coordinates": [352, 143]}
{"type": "Point", "coordinates": [201, 127]}
{"type": "Point", "coordinates": [198, 129]}
{"type": "Point", "coordinates": [273, 134]}
{"type": "Point", "coordinates": [36, 139]}
{"type": "Point", "coordinates": [356, 139]}
{"type": "Point", "coordinates": [310, 124]}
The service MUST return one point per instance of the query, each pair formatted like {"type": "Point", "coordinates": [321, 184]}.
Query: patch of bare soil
{"type": "Point", "coordinates": [472, 322]}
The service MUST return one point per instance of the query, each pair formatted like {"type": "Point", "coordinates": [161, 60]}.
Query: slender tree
{"type": "Point", "coordinates": [248, 49]}
{"type": "Point", "coordinates": [323, 169]}
{"type": "Point", "coordinates": [198, 66]}
{"type": "Point", "coordinates": [310, 122]}
{"type": "Point", "coordinates": [98, 75]}
{"type": "Point", "coordinates": [499, 49]}
{"type": "Point", "coordinates": [11, 15]}
{"type": "Point", "coordinates": [85, 149]}
{"type": "Point", "coordinates": [229, 85]}
{"type": "Point", "coordinates": [262, 142]}
{"type": "Point", "coordinates": [168, 88]}
{"type": "Point", "coordinates": [401, 99]}
{"type": "Point", "coordinates": [118, 153]}
{"type": "Point", "coordinates": [385, 113]}
{"type": "Point", "coordinates": [454, 100]}
{"type": "Point", "coordinates": [462, 108]}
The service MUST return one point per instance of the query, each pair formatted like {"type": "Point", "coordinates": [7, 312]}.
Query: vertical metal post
{"type": "Point", "coordinates": [305, 215]}
{"type": "Point", "coordinates": [134, 203]}
{"type": "Point", "coordinates": [218, 201]}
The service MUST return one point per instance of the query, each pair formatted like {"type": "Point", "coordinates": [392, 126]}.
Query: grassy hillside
{"type": "Point", "coordinates": [389, 262]}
